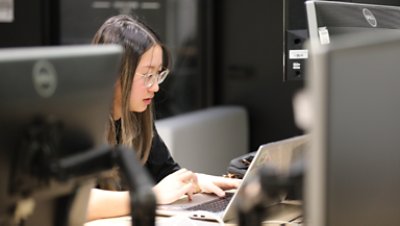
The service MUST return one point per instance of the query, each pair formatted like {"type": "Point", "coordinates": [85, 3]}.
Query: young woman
{"type": "Point", "coordinates": [144, 66]}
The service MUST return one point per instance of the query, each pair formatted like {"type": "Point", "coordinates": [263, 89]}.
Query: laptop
{"type": "Point", "coordinates": [203, 206]}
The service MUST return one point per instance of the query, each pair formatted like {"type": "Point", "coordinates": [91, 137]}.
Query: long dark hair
{"type": "Point", "coordinates": [136, 38]}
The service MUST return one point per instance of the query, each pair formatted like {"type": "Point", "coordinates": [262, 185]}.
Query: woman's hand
{"type": "Point", "coordinates": [216, 184]}
{"type": "Point", "coordinates": [175, 185]}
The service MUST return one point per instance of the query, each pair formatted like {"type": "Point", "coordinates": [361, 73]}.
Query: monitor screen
{"type": "Point", "coordinates": [354, 161]}
{"type": "Point", "coordinates": [54, 104]}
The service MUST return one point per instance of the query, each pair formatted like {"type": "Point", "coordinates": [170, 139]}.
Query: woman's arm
{"type": "Point", "coordinates": [107, 204]}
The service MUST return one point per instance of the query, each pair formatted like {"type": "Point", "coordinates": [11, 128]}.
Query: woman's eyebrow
{"type": "Point", "coordinates": [150, 67]}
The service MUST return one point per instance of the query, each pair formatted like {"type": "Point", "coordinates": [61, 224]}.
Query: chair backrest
{"type": "Point", "coordinates": [206, 140]}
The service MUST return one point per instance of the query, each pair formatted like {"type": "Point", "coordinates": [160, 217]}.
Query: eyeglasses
{"type": "Point", "coordinates": [151, 78]}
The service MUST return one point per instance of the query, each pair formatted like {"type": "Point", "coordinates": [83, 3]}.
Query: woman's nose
{"type": "Point", "coordinates": [154, 88]}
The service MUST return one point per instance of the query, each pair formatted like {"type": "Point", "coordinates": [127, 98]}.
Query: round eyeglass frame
{"type": "Point", "coordinates": [150, 78]}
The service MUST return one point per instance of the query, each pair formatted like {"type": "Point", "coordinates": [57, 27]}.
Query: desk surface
{"type": "Point", "coordinates": [288, 213]}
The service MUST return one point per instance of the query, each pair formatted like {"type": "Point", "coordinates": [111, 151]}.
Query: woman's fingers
{"type": "Point", "coordinates": [216, 184]}
{"type": "Point", "coordinates": [212, 188]}
{"type": "Point", "coordinates": [187, 189]}
{"type": "Point", "coordinates": [188, 176]}
{"type": "Point", "coordinates": [188, 179]}
{"type": "Point", "coordinates": [185, 182]}
{"type": "Point", "coordinates": [227, 183]}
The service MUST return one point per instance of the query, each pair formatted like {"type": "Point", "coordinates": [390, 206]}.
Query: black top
{"type": "Point", "coordinates": [160, 162]}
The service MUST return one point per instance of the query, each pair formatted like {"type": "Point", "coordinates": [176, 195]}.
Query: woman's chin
{"type": "Point", "coordinates": [139, 110]}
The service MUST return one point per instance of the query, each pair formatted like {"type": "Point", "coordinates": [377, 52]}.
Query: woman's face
{"type": "Point", "coordinates": [142, 95]}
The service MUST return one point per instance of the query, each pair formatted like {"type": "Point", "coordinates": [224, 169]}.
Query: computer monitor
{"type": "Point", "coordinates": [330, 19]}
{"type": "Point", "coordinates": [354, 162]}
{"type": "Point", "coordinates": [299, 22]}
{"type": "Point", "coordinates": [54, 104]}
{"type": "Point", "coordinates": [295, 34]}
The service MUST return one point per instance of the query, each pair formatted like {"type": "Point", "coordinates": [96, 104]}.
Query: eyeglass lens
{"type": "Point", "coordinates": [159, 77]}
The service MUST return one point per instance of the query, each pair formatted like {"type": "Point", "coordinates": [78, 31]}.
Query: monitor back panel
{"type": "Point", "coordinates": [355, 159]}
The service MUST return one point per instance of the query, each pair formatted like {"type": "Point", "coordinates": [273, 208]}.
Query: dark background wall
{"type": "Point", "coordinates": [35, 23]}
{"type": "Point", "coordinates": [249, 63]}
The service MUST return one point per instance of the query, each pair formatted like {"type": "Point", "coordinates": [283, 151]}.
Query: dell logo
{"type": "Point", "coordinates": [44, 78]}
{"type": "Point", "coordinates": [369, 16]}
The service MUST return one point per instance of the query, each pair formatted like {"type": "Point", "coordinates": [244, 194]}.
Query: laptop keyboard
{"type": "Point", "coordinates": [216, 205]}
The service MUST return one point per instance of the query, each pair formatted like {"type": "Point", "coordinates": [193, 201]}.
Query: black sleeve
{"type": "Point", "coordinates": [160, 162]}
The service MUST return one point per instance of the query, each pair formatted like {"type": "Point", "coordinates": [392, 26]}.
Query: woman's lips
{"type": "Point", "coordinates": [147, 101]}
